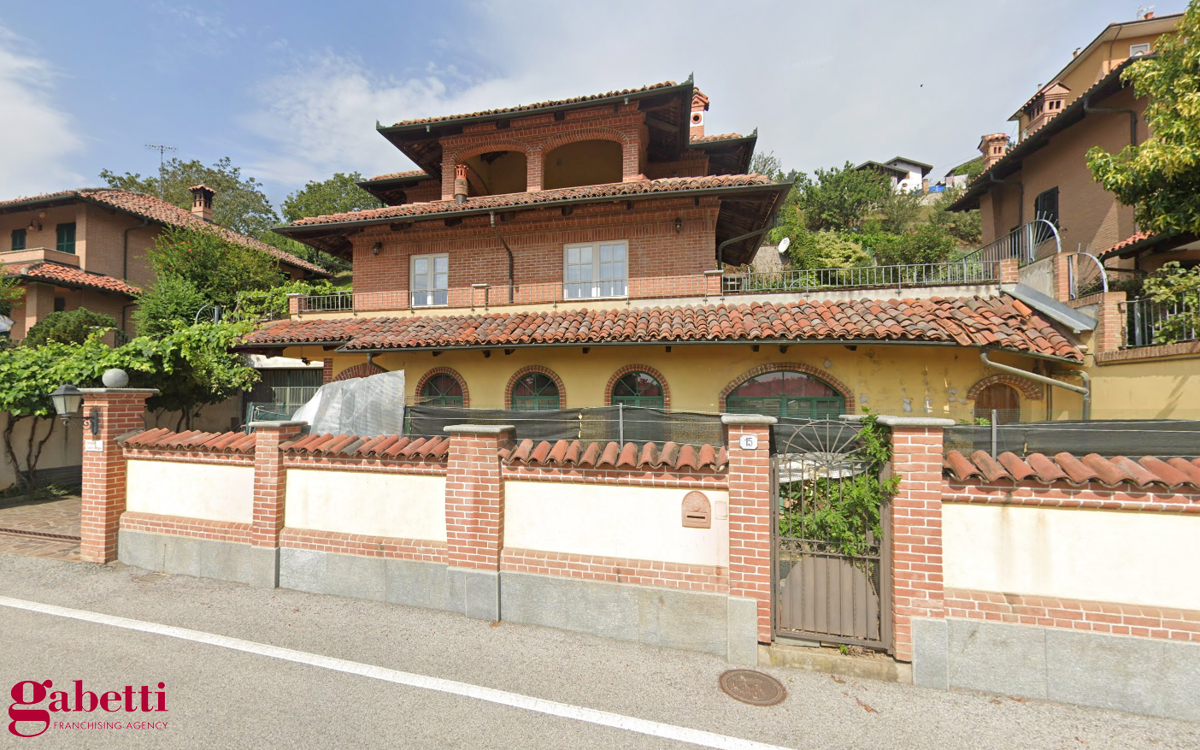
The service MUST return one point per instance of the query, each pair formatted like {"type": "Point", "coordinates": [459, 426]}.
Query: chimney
{"type": "Point", "coordinates": [993, 147]}
{"type": "Point", "coordinates": [1149, 15]}
{"type": "Point", "coordinates": [460, 183]}
{"type": "Point", "coordinates": [202, 201]}
{"type": "Point", "coordinates": [699, 107]}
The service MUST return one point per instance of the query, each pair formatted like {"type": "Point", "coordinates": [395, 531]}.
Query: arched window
{"type": "Point", "coordinates": [582, 163]}
{"type": "Point", "coordinates": [638, 389]}
{"type": "Point", "coordinates": [535, 391]}
{"type": "Point", "coordinates": [442, 390]}
{"type": "Point", "coordinates": [1003, 399]}
{"type": "Point", "coordinates": [786, 393]}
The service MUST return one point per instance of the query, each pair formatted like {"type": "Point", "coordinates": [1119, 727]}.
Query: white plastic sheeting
{"type": "Point", "coordinates": [366, 407]}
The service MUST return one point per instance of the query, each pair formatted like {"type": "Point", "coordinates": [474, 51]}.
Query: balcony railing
{"type": "Point", "coordinates": [709, 285]}
{"type": "Point", "coordinates": [865, 277]}
{"type": "Point", "coordinates": [1029, 242]}
{"type": "Point", "coordinates": [1150, 323]}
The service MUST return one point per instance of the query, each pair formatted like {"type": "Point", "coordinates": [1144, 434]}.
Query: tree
{"type": "Point", "coordinates": [900, 210]}
{"type": "Point", "coordinates": [928, 243]}
{"type": "Point", "coordinates": [768, 165]}
{"type": "Point", "coordinates": [1161, 176]}
{"type": "Point", "coordinates": [1178, 289]}
{"type": "Point", "coordinates": [241, 204]}
{"type": "Point", "coordinates": [64, 327]}
{"type": "Point", "coordinates": [840, 199]}
{"type": "Point", "coordinates": [964, 226]}
{"type": "Point", "coordinates": [826, 249]}
{"type": "Point", "coordinates": [338, 194]}
{"type": "Point", "coordinates": [11, 293]}
{"type": "Point", "coordinates": [172, 301]}
{"type": "Point", "coordinates": [218, 269]}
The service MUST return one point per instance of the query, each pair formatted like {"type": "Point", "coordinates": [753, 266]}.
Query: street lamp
{"type": "Point", "coordinates": [67, 401]}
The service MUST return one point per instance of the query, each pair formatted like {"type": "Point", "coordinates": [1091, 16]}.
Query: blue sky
{"type": "Point", "coordinates": [292, 90]}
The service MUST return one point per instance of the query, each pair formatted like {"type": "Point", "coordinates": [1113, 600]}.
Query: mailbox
{"type": "Point", "coordinates": [697, 511]}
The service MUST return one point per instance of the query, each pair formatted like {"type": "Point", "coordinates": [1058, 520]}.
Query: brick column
{"type": "Point", "coordinates": [475, 514]}
{"type": "Point", "coordinates": [1110, 324]}
{"type": "Point", "coordinates": [270, 497]}
{"type": "Point", "coordinates": [750, 514]}
{"type": "Point", "coordinates": [1062, 279]}
{"type": "Point", "coordinates": [294, 304]}
{"type": "Point", "coordinates": [479, 295]}
{"type": "Point", "coordinates": [121, 411]}
{"type": "Point", "coordinates": [1010, 272]}
{"type": "Point", "coordinates": [712, 282]}
{"type": "Point", "coordinates": [916, 527]}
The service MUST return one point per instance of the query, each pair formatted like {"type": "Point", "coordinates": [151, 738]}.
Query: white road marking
{"type": "Point", "coordinates": [467, 690]}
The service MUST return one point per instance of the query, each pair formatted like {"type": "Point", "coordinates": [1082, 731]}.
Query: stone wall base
{"type": "Point", "coordinates": [1140, 675]}
{"type": "Point", "coordinates": [203, 558]}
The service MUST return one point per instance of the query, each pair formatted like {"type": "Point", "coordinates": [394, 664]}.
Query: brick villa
{"type": "Point", "coordinates": [592, 251]}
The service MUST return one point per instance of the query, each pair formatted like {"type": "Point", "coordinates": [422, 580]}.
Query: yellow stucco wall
{"type": "Point", "coordinates": [901, 380]}
{"type": "Point", "coordinates": [1150, 389]}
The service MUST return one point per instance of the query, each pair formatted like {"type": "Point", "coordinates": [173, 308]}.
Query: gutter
{"type": "Point", "coordinates": [1084, 390]}
{"type": "Point", "coordinates": [507, 249]}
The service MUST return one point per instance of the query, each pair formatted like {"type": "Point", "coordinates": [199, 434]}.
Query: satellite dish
{"type": "Point", "coordinates": [784, 244]}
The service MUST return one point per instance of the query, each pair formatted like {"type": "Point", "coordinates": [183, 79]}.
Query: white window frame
{"type": "Point", "coordinates": [1139, 49]}
{"type": "Point", "coordinates": [428, 295]}
{"type": "Point", "coordinates": [596, 287]}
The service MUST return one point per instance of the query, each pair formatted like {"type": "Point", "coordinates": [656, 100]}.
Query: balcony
{"type": "Point", "coordinates": [38, 255]}
{"type": "Point", "coordinates": [1151, 323]}
{"type": "Point", "coordinates": [926, 279]}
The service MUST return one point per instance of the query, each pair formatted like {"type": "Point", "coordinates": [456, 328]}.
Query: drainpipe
{"type": "Point", "coordinates": [507, 249]}
{"type": "Point", "coordinates": [730, 241]}
{"type": "Point", "coordinates": [1084, 390]}
{"type": "Point", "coordinates": [1089, 109]}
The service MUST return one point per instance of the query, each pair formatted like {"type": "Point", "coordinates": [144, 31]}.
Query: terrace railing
{"type": "Point", "coordinates": [1029, 242]}
{"type": "Point", "coordinates": [1150, 323]}
{"type": "Point", "coordinates": [866, 277]}
{"type": "Point", "coordinates": [711, 284]}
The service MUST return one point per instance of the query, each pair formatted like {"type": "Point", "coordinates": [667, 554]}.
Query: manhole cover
{"type": "Point", "coordinates": [752, 687]}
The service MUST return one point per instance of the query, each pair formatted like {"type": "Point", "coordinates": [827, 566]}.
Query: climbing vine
{"type": "Point", "coordinates": [839, 504]}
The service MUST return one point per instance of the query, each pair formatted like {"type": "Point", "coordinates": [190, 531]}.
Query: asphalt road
{"type": "Point", "coordinates": [218, 696]}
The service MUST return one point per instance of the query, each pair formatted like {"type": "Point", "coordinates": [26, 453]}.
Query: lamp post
{"type": "Point", "coordinates": [67, 401]}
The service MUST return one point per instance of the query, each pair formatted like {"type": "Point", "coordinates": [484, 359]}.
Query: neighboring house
{"type": "Point", "coordinates": [906, 174]}
{"type": "Point", "coordinates": [87, 247]}
{"type": "Point", "coordinates": [576, 253]}
{"type": "Point", "coordinates": [1036, 196]}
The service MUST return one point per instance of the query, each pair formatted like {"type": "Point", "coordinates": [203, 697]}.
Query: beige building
{"type": "Point", "coordinates": [87, 248]}
{"type": "Point", "coordinates": [1039, 203]}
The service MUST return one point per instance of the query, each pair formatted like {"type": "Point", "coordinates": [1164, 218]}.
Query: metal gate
{"type": "Point", "coordinates": [831, 581]}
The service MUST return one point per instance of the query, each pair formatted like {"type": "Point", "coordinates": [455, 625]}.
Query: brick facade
{"type": "Point", "coordinates": [121, 410]}
{"type": "Point", "coordinates": [617, 570]}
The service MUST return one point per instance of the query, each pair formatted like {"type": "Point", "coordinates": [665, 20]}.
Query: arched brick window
{"type": "Point", "coordinates": [359, 371]}
{"type": "Point", "coordinates": [1001, 399]}
{"type": "Point", "coordinates": [638, 385]}
{"type": "Point", "coordinates": [442, 386]}
{"type": "Point", "coordinates": [535, 388]}
{"type": "Point", "coordinates": [787, 390]}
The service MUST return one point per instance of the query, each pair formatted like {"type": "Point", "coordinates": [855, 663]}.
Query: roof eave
{"type": "Point", "coordinates": [292, 230]}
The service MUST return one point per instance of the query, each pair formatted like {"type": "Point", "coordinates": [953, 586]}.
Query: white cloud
{"type": "Point", "coordinates": [37, 139]}
{"type": "Point", "coordinates": [824, 84]}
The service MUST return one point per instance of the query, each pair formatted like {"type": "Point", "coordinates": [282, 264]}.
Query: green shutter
{"type": "Point", "coordinates": [18, 239]}
{"type": "Point", "coordinates": [66, 238]}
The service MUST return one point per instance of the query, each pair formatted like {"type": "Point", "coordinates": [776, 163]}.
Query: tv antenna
{"type": "Point", "coordinates": [162, 150]}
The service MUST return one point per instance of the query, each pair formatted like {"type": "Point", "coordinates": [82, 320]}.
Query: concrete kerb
{"type": "Point", "coordinates": [747, 419]}
{"type": "Point", "coordinates": [479, 429]}
{"type": "Point", "coordinates": [916, 422]}
{"type": "Point", "coordinates": [277, 425]}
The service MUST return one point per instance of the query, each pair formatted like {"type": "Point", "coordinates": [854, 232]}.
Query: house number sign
{"type": "Point", "coordinates": [748, 442]}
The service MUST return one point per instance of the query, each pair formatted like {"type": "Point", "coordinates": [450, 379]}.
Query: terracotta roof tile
{"type": "Point", "coordinates": [536, 105]}
{"type": "Point", "coordinates": [156, 209]}
{"type": "Point", "coordinates": [508, 200]}
{"type": "Point", "coordinates": [392, 447]}
{"type": "Point", "coordinates": [593, 455]}
{"type": "Point", "coordinates": [963, 321]}
{"type": "Point", "coordinates": [1147, 472]}
{"type": "Point", "coordinates": [715, 137]}
{"type": "Point", "coordinates": [70, 276]}
{"type": "Point", "coordinates": [192, 441]}
{"type": "Point", "coordinates": [410, 173]}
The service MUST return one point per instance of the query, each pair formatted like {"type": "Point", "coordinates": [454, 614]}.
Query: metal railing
{"type": "Point", "coordinates": [866, 277]}
{"type": "Point", "coordinates": [1029, 242]}
{"type": "Point", "coordinates": [1151, 323]}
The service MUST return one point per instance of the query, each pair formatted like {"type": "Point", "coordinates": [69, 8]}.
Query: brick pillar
{"type": "Point", "coordinates": [326, 371]}
{"type": "Point", "coordinates": [479, 295]}
{"type": "Point", "coordinates": [712, 282]}
{"type": "Point", "coordinates": [475, 514]}
{"type": "Point", "coordinates": [1062, 278]}
{"type": "Point", "coordinates": [916, 527]}
{"type": "Point", "coordinates": [1010, 272]}
{"type": "Point", "coordinates": [294, 304]}
{"type": "Point", "coordinates": [750, 514]}
{"type": "Point", "coordinates": [270, 500]}
{"type": "Point", "coordinates": [121, 411]}
{"type": "Point", "coordinates": [1110, 324]}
